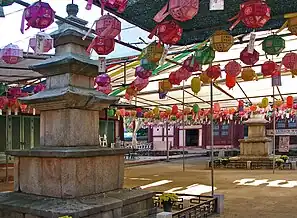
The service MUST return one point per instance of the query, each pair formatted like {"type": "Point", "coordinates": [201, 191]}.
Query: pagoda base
{"type": "Point", "coordinates": [115, 204]}
{"type": "Point", "coordinates": [252, 158]}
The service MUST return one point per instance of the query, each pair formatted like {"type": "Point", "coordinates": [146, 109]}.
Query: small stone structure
{"type": "Point", "coordinates": [69, 174]}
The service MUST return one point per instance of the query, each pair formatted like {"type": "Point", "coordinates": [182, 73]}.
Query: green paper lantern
{"type": "Point", "coordinates": [205, 55]}
{"type": "Point", "coordinates": [190, 117]}
{"type": "Point", "coordinates": [195, 108]}
{"type": "Point", "coordinates": [4, 3]}
{"type": "Point", "coordinates": [3, 88]}
{"type": "Point", "coordinates": [273, 45]}
{"type": "Point", "coordinates": [110, 112]}
{"type": "Point", "coordinates": [147, 65]}
{"type": "Point", "coordinates": [173, 118]}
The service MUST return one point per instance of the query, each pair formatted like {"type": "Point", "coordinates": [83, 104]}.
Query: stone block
{"type": "Point", "coordinates": [9, 214]}
{"type": "Point", "coordinates": [110, 173]}
{"type": "Point", "coordinates": [30, 216]}
{"type": "Point", "coordinates": [220, 203]}
{"type": "Point", "coordinates": [30, 175]}
{"type": "Point", "coordinates": [85, 176]}
{"type": "Point", "coordinates": [68, 178]}
{"type": "Point", "coordinates": [69, 127]}
{"type": "Point", "coordinates": [16, 177]}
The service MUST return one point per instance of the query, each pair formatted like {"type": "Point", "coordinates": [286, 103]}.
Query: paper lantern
{"type": "Point", "coordinates": [181, 10]}
{"type": "Point", "coordinates": [108, 26]}
{"type": "Point", "coordinates": [195, 108]}
{"type": "Point", "coordinates": [169, 32]}
{"type": "Point", "coordinates": [119, 5]}
{"type": "Point", "coordinates": [273, 45]}
{"type": "Point", "coordinates": [174, 109]}
{"type": "Point", "coordinates": [233, 69]}
{"type": "Point", "coordinates": [196, 85]}
{"type": "Point", "coordinates": [105, 89]}
{"type": "Point", "coordinates": [290, 101]}
{"type": "Point", "coordinates": [3, 103]}
{"type": "Point", "coordinates": [153, 52]}
{"type": "Point", "coordinates": [248, 74]}
{"type": "Point", "coordinates": [148, 65]}
{"type": "Point", "coordinates": [11, 54]}
{"type": "Point", "coordinates": [3, 88]}
{"type": "Point", "coordinates": [39, 15]}
{"type": "Point", "coordinates": [204, 78]}
{"type": "Point", "coordinates": [103, 80]}
{"type": "Point", "coordinates": [156, 111]}
{"type": "Point", "coordinates": [205, 55]}
{"type": "Point", "coordinates": [131, 91]}
{"type": "Point", "coordinates": [253, 13]}
{"type": "Point", "coordinates": [110, 112]}
{"type": "Point", "coordinates": [142, 73]}
{"type": "Point", "coordinates": [162, 115]}
{"type": "Point", "coordinates": [165, 85]}
{"type": "Point", "coordinates": [102, 46]}
{"type": "Point", "coordinates": [230, 81]}
{"type": "Point", "coordinates": [290, 60]}
{"type": "Point", "coordinates": [187, 111]}
{"type": "Point", "coordinates": [221, 41]}
{"type": "Point", "coordinates": [291, 23]}
{"type": "Point", "coordinates": [122, 112]}
{"type": "Point", "coordinates": [216, 107]}
{"type": "Point", "coordinates": [41, 43]}
{"type": "Point", "coordinates": [4, 3]}
{"type": "Point", "coordinates": [138, 84]}
{"type": "Point", "coordinates": [39, 88]}
{"type": "Point", "coordinates": [183, 74]}
{"type": "Point", "coordinates": [253, 108]}
{"type": "Point", "coordinates": [264, 102]}
{"type": "Point", "coordinates": [214, 72]}
{"type": "Point", "coordinates": [294, 73]}
{"type": "Point", "coordinates": [173, 79]}
{"type": "Point", "coordinates": [248, 58]}
{"type": "Point", "coordinates": [268, 68]}
{"type": "Point", "coordinates": [191, 64]}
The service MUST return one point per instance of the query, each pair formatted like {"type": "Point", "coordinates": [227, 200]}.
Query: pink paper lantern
{"type": "Point", "coordinates": [105, 89]}
{"type": "Point", "coordinates": [103, 80]}
{"type": "Point", "coordinates": [108, 26]}
{"type": "Point", "coordinates": [174, 79]}
{"type": "Point", "coordinates": [181, 10]}
{"type": "Point", "coordinates": [290, 61]}
{"type": "Point", "coordinates": [11, 54]}
{"type": "Point", "coordinates": [119, 5]}
{"type": "Point", "coordinates": [268, 68]}
{"type": "Point", "coordinates": [138, 84]}
{"type": "Point", "coordinates": [46, 41]}
{"type": "Point", "coordinates": [191, 64]}
{"type": "Point", "coordinates": [102, 46]}
{"type": "Point", "coordinates": [39, 15]}
{"type": "Point", "coordinates": [142, 73]}
{"type": "Point", "coordinates": [183, 74]}
{"type": "Point", "coordinates": [214, 72]}
{"type": "Point", "coordinates": [233, 68]}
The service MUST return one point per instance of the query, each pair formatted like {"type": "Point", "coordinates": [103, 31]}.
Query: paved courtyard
{"type": "Point", "coordinates": [256, 193]}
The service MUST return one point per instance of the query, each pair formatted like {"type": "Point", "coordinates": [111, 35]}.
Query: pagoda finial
{"type": "Point", "coordinates": [72, 10]}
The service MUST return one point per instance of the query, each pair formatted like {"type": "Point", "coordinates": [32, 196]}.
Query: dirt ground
{"type": "Point", "coordinates": [240, 200]}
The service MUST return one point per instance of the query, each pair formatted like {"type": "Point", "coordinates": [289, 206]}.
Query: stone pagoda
{"type": "Point", "coordinates": [69, 174]}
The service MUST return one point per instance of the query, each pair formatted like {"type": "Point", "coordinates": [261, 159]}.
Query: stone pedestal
{"type": "Point", "coordinates": [69, 174]}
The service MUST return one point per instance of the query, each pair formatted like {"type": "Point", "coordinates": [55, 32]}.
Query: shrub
{"type": "Point", "coordinates": [165, 197]}
{"type": "Point", "coordinates": [284, 157]}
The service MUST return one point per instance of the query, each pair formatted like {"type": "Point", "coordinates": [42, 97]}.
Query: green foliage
{"type": "Point", "coordinates": [65, 217]}
{"type": "Point", "coordinates": [224, 161]}
{"type": "Point", "coordinates": [165, 197]}
{"type": "Point", "coordinates": [284, 157]}
{"type": "Point", "coordinates": [279, 162]}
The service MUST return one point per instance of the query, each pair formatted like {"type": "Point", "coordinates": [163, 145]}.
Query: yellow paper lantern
{"type": "Point", "coordinates": [156, 111]}
{"type": "Point", "coordinates": [196, 85]}
{"type": "Point", "coordinates": [248, 74]}
{"type": "Point", "coordinates": [204, 78]}
{"type": "Point", "coordinates": [221, 41]}
{"type": "Point", "coordinates": [265, 102]}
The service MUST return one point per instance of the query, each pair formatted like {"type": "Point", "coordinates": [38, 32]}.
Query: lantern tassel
{"type": "Point", "coordinates": [89, 31]}
{"type": "Point", "coordinates": [89, 5]}
{"type": "Point", "coordinates": [237, 18]}
{"type": "Point", "coordinates": [162, 14]}
{"type": "Point", "coordinates": [2, 12]}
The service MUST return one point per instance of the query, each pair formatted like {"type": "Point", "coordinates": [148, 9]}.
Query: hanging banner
{"type": "Point", "coordinates": [276, 79]}
{"type": "Point", "coordinates": [101, 65]}
{"type": "Point", "coordinates": [216, 5]}
{"type": "Point", "coordinates": [40, 39]}
{"type": "Point", "coordinates": [284, 144]}
{"type": "Point", "coordinates": [251, 44]}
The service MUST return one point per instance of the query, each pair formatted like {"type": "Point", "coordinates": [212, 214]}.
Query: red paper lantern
{"type": "Point", "coordinates": [39, 15]}
{"type": "Point", "coordinates": [119, 5]}
{"type": "Point", "coordinates": [213, 72]}
{"type": "Point", "coordinates": [174, 109]}
{"type": "Point", "coordinates": [253, 13]}
{"type": "Point", "coordinates": [191, 64]}
{"type": "Point", "coordinates": [290, 61]}
{"type": "Point", "coordinates": [181, 10]}
{"type": "Point", "coordinates": [169, 32]}
{"type": "Point", "coordinates": [174, 79]}
{"type": "Point", "coordinates": [216, 107]}
{"type": "Point", "coordinates": [290, 101]}
{"type": "Point", "coordinates": [102, 46]}
{"type": "Point", "coordinates": [233, 69]}
{"type": "Point", "coordinates": [183, 74]}
{"type": "Point", "coordinates": [268, 68]}
{"type": "Point", "coordinates": [247, 58]}
{"type": "Point", "coordinates": [11, 54]}
{"type": "Point", "coordinates": [3, 103]}
{"type": "Point", "coordinates": [108, 26]}
{"type": "Point", "coordinates": [230, 81]}
{"type": "Point", "coordinates": [142, 73]}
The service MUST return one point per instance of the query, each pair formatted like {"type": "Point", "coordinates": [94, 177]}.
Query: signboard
{"type": "Point", "coordinates": [284, 143]}
{"type": "Point", "coordinates": [284, 132]}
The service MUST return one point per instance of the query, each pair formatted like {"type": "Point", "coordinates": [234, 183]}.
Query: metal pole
{"type": "Point", "coordinates": [6, 157]}
{"type": "Point", "coordinates": [211, 137]}
{"type": "Point", "coordinates": [167, 142]}
{"type": "Point", "coordinates": [184, 139]}
{"type": "Point", "coordinates": [273, 140]}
